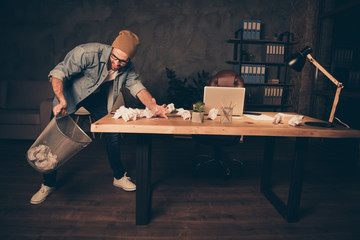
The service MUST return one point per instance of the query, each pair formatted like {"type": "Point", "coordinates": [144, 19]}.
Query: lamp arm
{"type": "Point", "coordinates": [323, 70]}
{"type": "Point", "coordinates": [336, 82]}
{"type": "Point", "coordinates": [336, 100]}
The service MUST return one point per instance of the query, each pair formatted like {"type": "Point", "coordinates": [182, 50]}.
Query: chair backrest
{"type": "Point", "coordinates": [227, 78]}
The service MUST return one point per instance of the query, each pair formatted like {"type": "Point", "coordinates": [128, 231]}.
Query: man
{"type": "Point", "coordinates": [91, 76]}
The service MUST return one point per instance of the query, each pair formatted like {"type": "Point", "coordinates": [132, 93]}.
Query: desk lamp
{"type": "Point", "coordinates": [297, 62]}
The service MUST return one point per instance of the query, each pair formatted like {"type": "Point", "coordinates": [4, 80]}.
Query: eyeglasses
{"type": "Point", "coordinates": [120, 60]}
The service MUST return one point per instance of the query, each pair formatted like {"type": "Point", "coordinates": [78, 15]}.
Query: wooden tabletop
{"type": "Point", "coordinates": [243, 126]}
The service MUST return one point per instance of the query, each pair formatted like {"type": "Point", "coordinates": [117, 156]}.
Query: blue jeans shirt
{"type": "Point", "coordinates": [84, 69]}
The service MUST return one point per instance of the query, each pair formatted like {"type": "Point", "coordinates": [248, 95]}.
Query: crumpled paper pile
{"type": "Point", "coordinates": [42, 157]}
{"type": "Point", "coordinates": [294, 121]}
{"type": "Point", "coordinates": [128, 114]}
{"type": "Point", "coordinates": [132, 114]}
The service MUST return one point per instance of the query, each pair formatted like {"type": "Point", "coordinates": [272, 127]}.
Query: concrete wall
{"type": "Point", "coordinates": [304, 25]}
{"type": "Point", "coordinates": [186, 36]}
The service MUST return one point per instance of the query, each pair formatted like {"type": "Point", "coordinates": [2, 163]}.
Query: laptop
{"type": "Point", "coordinates": [214, 97]}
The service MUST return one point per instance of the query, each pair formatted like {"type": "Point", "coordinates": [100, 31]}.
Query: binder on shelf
{"type": "Point", "coordinates": [275, 53]}
{"type": "Point", "coordinates": [276, 96]}
{"type": "Point", "coordinates": [253, 73]}
{"type": "Point", "coordinates": [278, 51]}
{"type": "Point", "coordinates": [246, 73]}
{"type": "Point", "coordinates": [250, 79]}
{"type": "Point", "coordinates": [343, 57]}
{"type": "Point", "coordinates": [282, 53]}
{"type": "Point", "coordinates": [266, 95]}
{"type": "Point", "coordinates": [242, 71]}
{"type": "Point", "coordinates": [254, 79]}
{"type": "Point", "coordinates": [258, 73]}
{"type": "Point", "coordinates": [245, 25]}
{"type": "Point", "coordinates": [273, 95]}
{"type": "Point", "coordinates": [262, 75]}
{"type": "Point", "coordinates": [270, 52]}
{"type": "Point", "coordinates": [251, 29]}
{"type": "Point", "coordinates": [281, 89]}
{"type": "Point", "coordinates": [258, 27]}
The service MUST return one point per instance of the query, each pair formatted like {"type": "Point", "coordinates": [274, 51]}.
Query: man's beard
{"type": "Point", "coordinates": [120, 69]}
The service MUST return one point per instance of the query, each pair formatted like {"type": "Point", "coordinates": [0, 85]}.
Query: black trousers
{"type": "Point", "coordinates": [96, 104]}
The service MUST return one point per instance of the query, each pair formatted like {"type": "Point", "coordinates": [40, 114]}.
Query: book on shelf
{"type": "Point", "coordinates": [354, 79]}
{"type": "Point", "coordinates": [267, 95]}
{"type": "Point", "coordinates": [343, 57]}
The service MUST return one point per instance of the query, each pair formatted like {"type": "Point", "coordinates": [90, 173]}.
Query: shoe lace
{"type": "Point", "coordinates": [126, 177]}
{"type": "Point", "coordinates": [44, 189]}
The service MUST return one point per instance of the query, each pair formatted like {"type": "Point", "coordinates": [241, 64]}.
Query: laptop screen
{"type": "Point", "coordinates": [216, 97]}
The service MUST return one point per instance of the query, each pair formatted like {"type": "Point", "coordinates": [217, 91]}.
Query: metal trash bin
{"type": "Point", "coordinates": [61, 140]}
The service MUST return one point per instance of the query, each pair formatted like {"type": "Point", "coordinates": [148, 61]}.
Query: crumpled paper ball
{"type": "Point", "coordinates": [213, 113]}
{"type": "Point", "coordinates": [148, 113]}
{"type": "Point", "coordinates": [279, 118]}
{"type": "Point", "coordinates": [295, 120]}
{"type": "Point", "coordinates": [170, 108]}
{"type": "Point", "coordinates": [185, 114]}
{"type": "Point", "coordinates": [42, 157]}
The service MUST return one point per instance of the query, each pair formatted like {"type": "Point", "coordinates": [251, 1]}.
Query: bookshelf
{"type": "Point", "coordinates": [269, 88]}
{"type": "Point", "coordinates": [339, 52]}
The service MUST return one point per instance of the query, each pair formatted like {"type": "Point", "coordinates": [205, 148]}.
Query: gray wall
{"type": "Point", "coordinates": [186, 36]}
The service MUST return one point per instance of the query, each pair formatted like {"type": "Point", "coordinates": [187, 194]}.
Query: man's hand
{"type": "Point", "coordinates": [161, 110]}
{"type": "Point", "coordinates": [60, 109]}
{"type": "Point", "coordinates": [150, 102]}
{"type": "Point", "coordinates": [58, 88]}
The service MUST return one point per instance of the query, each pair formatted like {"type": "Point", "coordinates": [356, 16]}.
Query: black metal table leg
{"type": "Point", "coordinates": [290, 211]}
{"type": "Point", "coordinates": [267, 163]}
{"type": "Point", "coordinates": [143, 179]}
{"type": "Point", "coordinates": [296, 180]}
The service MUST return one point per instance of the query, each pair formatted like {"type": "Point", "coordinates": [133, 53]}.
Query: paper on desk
{"type": "Point", "coordinates": [259, 117]}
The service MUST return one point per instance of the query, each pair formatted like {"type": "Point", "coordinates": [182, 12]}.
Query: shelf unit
{"type": "Point", "coordinates": [256, 92]}
{"type": "Point", "coordinates": [339, 52]}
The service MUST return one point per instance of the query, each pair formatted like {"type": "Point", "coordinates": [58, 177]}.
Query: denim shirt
{"type": "Point", "coordinates": [84, 69]}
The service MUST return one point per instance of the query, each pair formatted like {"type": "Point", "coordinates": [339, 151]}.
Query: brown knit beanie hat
{"type": "Point", "coordinates": [127, 42]}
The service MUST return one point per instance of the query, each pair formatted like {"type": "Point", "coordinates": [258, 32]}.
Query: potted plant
{"type": "Point", "coordinates": [198, 112]}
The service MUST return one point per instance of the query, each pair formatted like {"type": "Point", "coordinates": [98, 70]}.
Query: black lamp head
{"type": "Point", "coordinates": [297, 61]}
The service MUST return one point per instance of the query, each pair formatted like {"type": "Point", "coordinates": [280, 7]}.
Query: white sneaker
{"type": "Point", "coordinates": [124, 183]}
{"type": "Point", "coordinates": [42, 194]}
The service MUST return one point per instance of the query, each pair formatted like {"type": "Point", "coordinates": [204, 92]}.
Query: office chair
{"type": "Point", "coordinates": [225, 78]}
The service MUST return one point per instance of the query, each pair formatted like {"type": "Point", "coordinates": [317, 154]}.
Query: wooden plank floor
{"type": "Point", "coordinates": [87, 206]}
